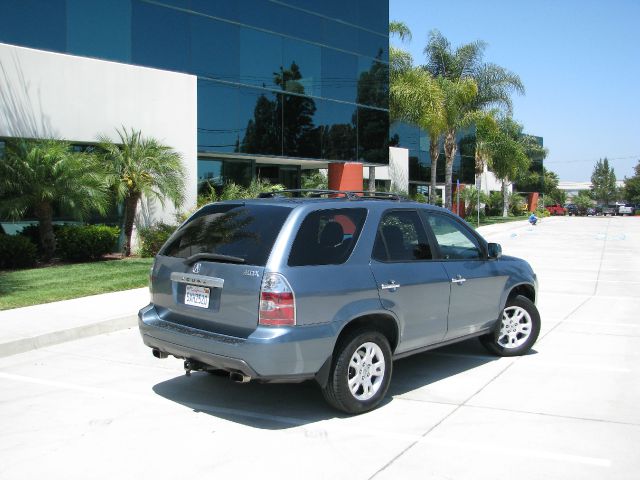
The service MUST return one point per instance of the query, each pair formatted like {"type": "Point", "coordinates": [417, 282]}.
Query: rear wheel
{"type": "Point", "coordinates": [517, 330]}
{"type": "Point", "coordinates": [361, 372]}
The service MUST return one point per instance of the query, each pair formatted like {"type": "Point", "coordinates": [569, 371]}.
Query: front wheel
{"type": "Point", "coordinates": [517, 330]}
{"type": "Point", "coordinates": [361, 372]}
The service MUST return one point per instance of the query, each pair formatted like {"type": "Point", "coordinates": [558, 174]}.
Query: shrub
{"type": "Point", "coordinates": [16, 252]}
{"type": "Point", "coordinates": [86, 242]}
{"type": "Point", "coordinates": [153, 237]}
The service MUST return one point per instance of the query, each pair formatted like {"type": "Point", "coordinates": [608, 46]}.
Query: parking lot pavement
{"type": "Point", "coordinates": [104, 408]}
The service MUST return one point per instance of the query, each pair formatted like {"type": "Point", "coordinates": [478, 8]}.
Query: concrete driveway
{"type": "Point", "coordinates": [104, 408]}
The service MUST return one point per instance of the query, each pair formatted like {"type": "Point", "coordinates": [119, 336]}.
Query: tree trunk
{"type": "Point", "coordinates": [434, 153]}
{"type": "Point", "coordinates": [131, 205]}
{"type": "Point", "coordinates": [450, 153]}
{"type": "Point", "coordinates": [44, 213]}
{"type": "Point", "coordinates": [505, 199]}
{"type": "Point", "coordinates": [372, 179]}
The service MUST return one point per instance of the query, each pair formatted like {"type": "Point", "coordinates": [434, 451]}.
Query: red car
{"type": "Point", "coordinates": [556, 209]}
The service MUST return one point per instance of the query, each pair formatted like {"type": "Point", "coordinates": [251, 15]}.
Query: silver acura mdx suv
{"type": "Point", "coordinates": [331, 287]}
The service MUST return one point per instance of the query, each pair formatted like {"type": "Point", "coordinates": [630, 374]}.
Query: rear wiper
{"type": "Point", "coordinates": [213, 256]}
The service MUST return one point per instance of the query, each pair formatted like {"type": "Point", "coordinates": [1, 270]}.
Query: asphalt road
{"type": "Point", "coordinates": [104, 408]}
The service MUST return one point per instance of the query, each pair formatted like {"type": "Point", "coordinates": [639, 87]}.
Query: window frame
{"type": "Point", "coordinates": [475, 238]}
{"type": "Point", "coordinates": [430, 239]}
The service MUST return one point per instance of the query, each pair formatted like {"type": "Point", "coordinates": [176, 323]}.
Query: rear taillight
{"type": "Point", "coordinates": [277, 301]}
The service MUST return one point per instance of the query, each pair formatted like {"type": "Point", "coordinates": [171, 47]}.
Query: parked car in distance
{"type": "Point", "coordinates": [626, 209]}
{"type": "Point", "coordinates": [608, 210]}
{"type": "Point", "coordinates": [591, 211]}
{"type": "Point", "coordinates": [573, 209]}
{"type": "Point", "coordinates": [556, 209]}
{"type": "Point", "coordinates": [331, 288]}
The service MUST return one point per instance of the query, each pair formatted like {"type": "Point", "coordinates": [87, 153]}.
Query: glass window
{"type": "Point", "coordinates": [260, 58]}
{"type": "Point", "coordinates": [261, 14]}
{"type": "Point", "coordinates": [374, 15]}
{"type": "Point", "coordinates": [336, 122]}
{"type": "Point", "coordinates": [373, 45]}
{"type": "Point", "coordinates": [260, 119]}
{"type": "Point", "coordinates": [215, 173]}
{"type": "Point", "coordinates": [327, 237]}
{"type": "Point", "coordinates": [160, 37]}
{"type": "Point", "coordinates": [296, 23]}
{"type": "Point", "coordinates": [236, 230]}
{"type": "Point", "coordinates": [373, 135]}
{"type": "Point", "coordinates": [373, 83]}
{"type": "Point", "coordinates": [217, 8]}
{"type": "Point", "coordinates": [453, 239]}
{"type": "Point", "coordinates": [302, 67]}
{"type": "Point", "coordinates": [34, 23]}
{"type": "Point", "coordinates": [339, 73]}
{"type": "Point", "coordinates": [109, 38]}
{"type": "Point", "coordinates": [215, 49]}
{"type": "Point", "coordinates": [339, 35]}
{"type": "Point", "coordinates": [301, 137]}
{"type": "Point", "coordinates": [219, 126]}
{"type": "Point", "coordinates": [401, 238]}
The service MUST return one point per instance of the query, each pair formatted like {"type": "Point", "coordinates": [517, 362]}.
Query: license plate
{"type": "Point", "coordinates": [196, 296]}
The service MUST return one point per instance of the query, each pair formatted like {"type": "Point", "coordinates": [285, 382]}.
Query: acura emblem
{"type": "Point", "coordinates": [196, 268]}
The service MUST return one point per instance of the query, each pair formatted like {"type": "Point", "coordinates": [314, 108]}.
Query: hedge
{"type": "Point", "coordinates": [153, 237]}
{"type": "Point", "coordinates": [16, 252]}
{"type": "Point", "coordinates": [85, 242]}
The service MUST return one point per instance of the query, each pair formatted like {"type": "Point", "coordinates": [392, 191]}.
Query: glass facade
{"type": "Point", "coordinates": [416, 141]}
{"type": "Point", "coordinates": [280, 78]}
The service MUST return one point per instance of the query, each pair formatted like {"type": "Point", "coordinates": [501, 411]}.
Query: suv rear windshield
{"type": "Point", "coordinates": [234, 230]}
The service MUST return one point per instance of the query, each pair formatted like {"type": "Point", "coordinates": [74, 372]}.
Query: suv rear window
{"type": "Point", "coordinates": [327, 237]}
{"type": "Point", "coordinates": [236, 230]}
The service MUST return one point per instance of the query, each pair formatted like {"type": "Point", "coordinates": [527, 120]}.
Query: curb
{"type": "Point", "coordinates": [22, 345]}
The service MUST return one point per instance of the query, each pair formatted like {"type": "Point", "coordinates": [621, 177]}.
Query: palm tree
{"type": "Point", "coordinates": [39, 175]}
{"type": "Point", "coordinates": [141, 167]}
{"type": "Point", "coordinates": [494, 85]}
{"type": "Point", "coordinates": [509, 151]}
{"type": "Point", "coordinates": [416, 97]}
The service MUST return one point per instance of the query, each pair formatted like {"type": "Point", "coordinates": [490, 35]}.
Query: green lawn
{"type": "Point", "coordinates": [42, 285]}
{"type": "Point", "coordinates": [491, 220]}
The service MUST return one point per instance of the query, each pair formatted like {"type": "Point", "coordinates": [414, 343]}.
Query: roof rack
{"type": "Point", "coordinates": [348, 194]}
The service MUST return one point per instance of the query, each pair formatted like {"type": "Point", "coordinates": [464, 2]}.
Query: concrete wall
{"type": "Point", "coordinates": [52, 95]}
{"type": "Point", "coordinates": [397, 172]}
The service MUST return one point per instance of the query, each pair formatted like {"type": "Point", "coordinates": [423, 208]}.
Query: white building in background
{"type": "Point", "coordinates": [54, 95]}
{"type": "Point", "coordinates": [572, 189]}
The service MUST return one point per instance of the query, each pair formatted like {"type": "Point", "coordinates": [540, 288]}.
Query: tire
{"type": "Point", "coordinates": [516, 331]}
{"type": "Point", "coordinates": [363, 360]}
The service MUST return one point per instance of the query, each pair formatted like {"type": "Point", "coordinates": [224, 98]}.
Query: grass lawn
{"type": "Point", "coordinates": [42, 285]}
{"type": "Point", "coordinates": [491, 220]}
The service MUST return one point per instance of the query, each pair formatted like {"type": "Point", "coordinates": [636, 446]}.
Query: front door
{"type": "Point", "coordinates": [476, 286]}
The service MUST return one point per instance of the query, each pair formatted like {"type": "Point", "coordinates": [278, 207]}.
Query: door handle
{"type": "Point", "coordinates": [459, 280]}
{"type": "Point", "coordinates": [392, 285]}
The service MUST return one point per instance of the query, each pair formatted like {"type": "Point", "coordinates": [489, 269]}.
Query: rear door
{"type": "Point", "coordinates": [410, 284]}
{"type": "Point", "coordinates": [476, 284]}
{"type": "Point", "coordinates": [209, 273]}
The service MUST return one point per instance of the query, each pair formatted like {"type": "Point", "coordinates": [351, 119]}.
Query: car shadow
{"type": "Point", "coordinates": [281, 406]}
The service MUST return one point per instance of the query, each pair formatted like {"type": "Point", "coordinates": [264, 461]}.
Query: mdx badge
{"type": "Point", "coordinates": [251, 273]}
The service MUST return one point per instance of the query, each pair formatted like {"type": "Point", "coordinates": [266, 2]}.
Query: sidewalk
{"type": "Point", "coordinates": [29, 328]}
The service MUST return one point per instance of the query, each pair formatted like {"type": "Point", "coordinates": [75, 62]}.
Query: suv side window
{"type": "Point", "coordinates": [401, 238]}
{"type": "Point", "coordinates": [327, 237]}
{"type": "Point", "coordinates": [454, 241]}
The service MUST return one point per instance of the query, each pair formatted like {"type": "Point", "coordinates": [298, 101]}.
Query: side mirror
{"type": "Point", "coordinates": [494, 250]}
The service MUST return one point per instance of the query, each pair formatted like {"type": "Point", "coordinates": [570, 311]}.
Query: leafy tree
{"type": "Point", "coordinates": [141, 166]}
{"type": "Point", "coordinates": [40, 175]}
{"type": "Point", "coordinates": [583, 199]}
{"type": "Point", "coordinates": [494, 86]}
{"type": "Point", "coordinates": [508, 155]}
{"type": "Point", "coordinates": [632, 186]}
{"type": "Point", "coordinates": [603, 182]}
{"type": "Point", "coordinates": [314, 180]}
{"type": "Point", "coordinates": [470, 196]}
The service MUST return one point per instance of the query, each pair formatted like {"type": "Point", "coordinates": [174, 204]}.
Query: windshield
{"type": "Point", "coordinates": [242, 231]}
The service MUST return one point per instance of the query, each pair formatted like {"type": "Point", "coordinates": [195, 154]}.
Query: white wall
{"type": "Point", "coordinates": [52, 95]}
{"type": "Point", "coordinates": [397, 172]}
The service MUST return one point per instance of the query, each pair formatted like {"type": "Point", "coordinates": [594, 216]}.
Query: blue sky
{"type": "Point", "coordinates": [579, 62]}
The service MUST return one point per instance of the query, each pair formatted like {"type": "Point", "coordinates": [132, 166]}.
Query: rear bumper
{"type": "Point", "coordinates": [270, 354]}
